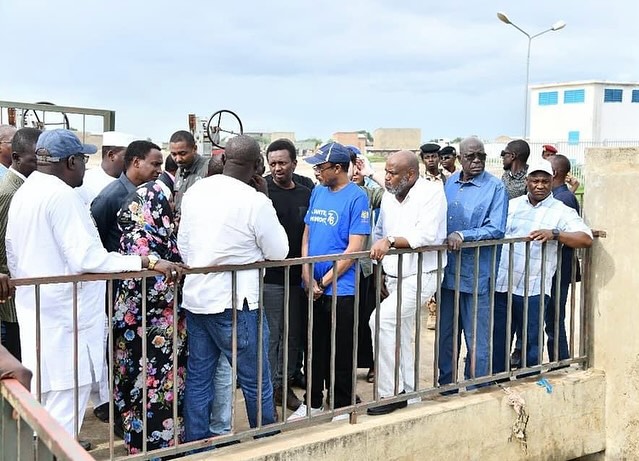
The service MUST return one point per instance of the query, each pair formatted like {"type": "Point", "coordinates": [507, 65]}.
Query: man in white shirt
{"type": "Point", "coordinates": [412, 215]}
{"type": "Point", "coordinates": [50, 233]}
{"type": "Point", "coordinates": [114, 145]}
{"type": "Point", "coordinates": [216, 230]}
{"type": "Point", "coordinates": [544, 219]}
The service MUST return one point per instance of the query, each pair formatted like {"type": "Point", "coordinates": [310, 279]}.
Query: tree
{"type": "Point", "coordinates": [369, 137]}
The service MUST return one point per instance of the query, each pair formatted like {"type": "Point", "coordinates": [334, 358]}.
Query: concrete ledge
{"type": "Point", "coordinates": [565, 424]}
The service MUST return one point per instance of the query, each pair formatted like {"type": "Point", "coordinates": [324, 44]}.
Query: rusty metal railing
{"type": "Point", "coordinates": [578, 328]}
{"type": "Point", "coordinates": [20, 417]}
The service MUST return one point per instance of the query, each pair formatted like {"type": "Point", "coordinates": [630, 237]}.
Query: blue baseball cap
{"type": "Point", "coordinates": [332, 152]}
{"type": "Point", "coordinates": [354, 149]}
{"type": "Point", "coordinates": [61, 144]}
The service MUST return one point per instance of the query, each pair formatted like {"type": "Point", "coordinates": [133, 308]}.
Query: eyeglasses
{"type": "Point", "coordinates": [505, 152]}
{"type": "Point", "coordinates": [319, 169]}
{"type": "Point", "coordinates": [6, 142]}
{"type": "Point", "coordinates": [469, 157]}
{"type": "Point", "coordinates": [83, 156]}
{"type": "Point", "coordinates": [42, 156]}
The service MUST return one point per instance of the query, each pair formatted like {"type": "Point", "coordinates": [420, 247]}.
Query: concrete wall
{"type": "Point", "coordinates": [612, 176]}
{"type": "Point", "coordinates": [565, 424]}
{"type": "Point", "coordinates": [397, 138]}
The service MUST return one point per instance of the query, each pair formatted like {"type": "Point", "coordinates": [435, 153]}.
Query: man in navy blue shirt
{"type": "Point", "coordinates": [561, 168]}
{"type": "Point", "coordinates": [337, 221]}
{"type": "Point", "coordinates": [477, 210]}
{"type": "Point", "coordinates": [142, 163]}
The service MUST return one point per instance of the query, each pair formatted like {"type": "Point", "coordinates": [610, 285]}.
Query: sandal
{"type": "Point", "coordinates": [370, 376]}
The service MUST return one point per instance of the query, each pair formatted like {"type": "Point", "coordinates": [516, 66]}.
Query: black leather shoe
{"type": "Point", "coordinates": [292, 402]}
{"type": "Point", "coordinates": [298, 380]}
{"type": "Point", "coordinates": [386, 409]}
{"type": "Point", "coordinates": [102, 412]}
{"type": "Point", "coordinates": [85, 444]}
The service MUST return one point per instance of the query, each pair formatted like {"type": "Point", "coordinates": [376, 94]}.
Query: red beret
{"type": "Point", "coordinates": [550, 148]}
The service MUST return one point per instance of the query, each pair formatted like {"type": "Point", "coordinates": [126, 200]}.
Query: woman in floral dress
{"type": "Point", "coordinates": [146, 221]}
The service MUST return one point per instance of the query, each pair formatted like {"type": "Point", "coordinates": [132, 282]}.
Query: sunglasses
{"type": "Point", "coordinates": [469, 157]}
{"type": "Point", "coordinates": [505, 152]}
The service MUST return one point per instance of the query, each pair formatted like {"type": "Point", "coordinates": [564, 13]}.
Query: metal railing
{"type": "Point", "coordinates": [20, 417]}
{"type": "Point", "coordinates": [425, 381]}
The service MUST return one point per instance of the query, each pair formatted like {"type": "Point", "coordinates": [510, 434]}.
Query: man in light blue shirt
{"type": "Point", "coordinates": [543, 218]}
{"type": "Point", "coordinates": [477, 210]}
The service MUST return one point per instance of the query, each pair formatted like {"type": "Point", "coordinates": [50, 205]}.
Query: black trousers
{"type": "Point", "coordinates": [321, 360]}
{"type": "Point", "coordinates": [11, 338]}
{"type": "Point", "coordinates": [366, 308]}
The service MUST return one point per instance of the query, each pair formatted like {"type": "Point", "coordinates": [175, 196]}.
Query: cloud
{"type": "Point", "coordinates": [450, 68]}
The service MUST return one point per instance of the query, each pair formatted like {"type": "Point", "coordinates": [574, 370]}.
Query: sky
{"type": "Point", "coordinates": [450, 68]}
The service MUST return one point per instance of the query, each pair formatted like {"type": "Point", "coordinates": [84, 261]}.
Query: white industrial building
{"type": "Point", "coordinates": [584, 111]}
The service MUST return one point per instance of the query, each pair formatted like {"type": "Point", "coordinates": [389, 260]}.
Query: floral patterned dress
{"type": "Point", "coordinates": [146, 221]}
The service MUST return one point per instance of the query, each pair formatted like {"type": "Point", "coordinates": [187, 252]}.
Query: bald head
{"type": "Point", "coordinates": [405, 159]}
{"type": "Point", "coordinates": [471, 144]}
{"type": "Point", "coordinates": [402, 171]}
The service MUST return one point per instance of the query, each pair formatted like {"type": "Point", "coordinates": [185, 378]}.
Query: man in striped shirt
{"type": "Point", "coordinates": [544, 219]}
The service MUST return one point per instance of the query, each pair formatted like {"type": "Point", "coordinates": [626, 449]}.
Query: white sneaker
{"type": "Point", "coordinates": [340, 417]}
{"type": "Point", "coordinates": [301, 412]}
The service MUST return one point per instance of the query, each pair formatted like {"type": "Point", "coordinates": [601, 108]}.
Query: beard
{"type": "Point", "coordinates": [400, 187]}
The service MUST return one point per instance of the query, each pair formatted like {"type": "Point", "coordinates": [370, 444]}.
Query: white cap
{"type": "Point", "coordinates": [117, 139]}
{"type": "Point", "coordinates": [541, 165]}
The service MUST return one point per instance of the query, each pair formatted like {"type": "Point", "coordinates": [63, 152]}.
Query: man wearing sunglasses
{"type": "Point", "coordinates": [477, 210]}
{"type": "Point", "coordinates": [514, 157]}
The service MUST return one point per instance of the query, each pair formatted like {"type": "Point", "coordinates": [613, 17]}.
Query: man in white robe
{"type": "Point", "coordinates": [50, 233]}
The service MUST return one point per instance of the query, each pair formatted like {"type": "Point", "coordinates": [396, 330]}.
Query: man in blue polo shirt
{"type": "Point", "coordinates": [337, 221]}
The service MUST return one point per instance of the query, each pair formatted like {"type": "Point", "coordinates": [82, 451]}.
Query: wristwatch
{"type": "Point", "coordinates": [391, 241]}
{"type": "Point", "coordinates": [153, 260]}
{"type": "Point", "coordinates": [555, 234]}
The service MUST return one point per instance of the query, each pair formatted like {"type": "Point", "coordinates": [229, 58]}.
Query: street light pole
{"type": "Point", "coordinates": [556, 26]}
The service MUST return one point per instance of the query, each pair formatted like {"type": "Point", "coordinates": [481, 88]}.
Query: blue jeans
{"type": "Point", "coordinates": [549, 319]}
{"type": "Point", "coordinates": [500, 354]}
{"type": "Point", "coordinates": [466, 318]}
{"type": "Point", "coordinates": [220, 422]}
{"type": "Point", "coordinates": [210, 335]}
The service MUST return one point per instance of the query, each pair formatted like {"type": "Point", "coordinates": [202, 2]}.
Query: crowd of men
{"type": "Point", "coordinates": [228, 213]}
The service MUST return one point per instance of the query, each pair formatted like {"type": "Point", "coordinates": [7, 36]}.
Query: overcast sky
{"type": "Point", "coordinates": [447, 67]}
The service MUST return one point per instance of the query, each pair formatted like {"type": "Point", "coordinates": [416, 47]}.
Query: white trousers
{"type": "Point", "coordinates": [59, 404]}
{"type": "Point", "coordinates": [100, 388]}
{"type": "Point", "coordinates": [385, 367]}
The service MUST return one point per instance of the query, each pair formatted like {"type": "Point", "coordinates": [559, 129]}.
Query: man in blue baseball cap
{"type": "Point", "coordinates": [337, 221]}
{"type": "Point", "coordinates": [49, 233]}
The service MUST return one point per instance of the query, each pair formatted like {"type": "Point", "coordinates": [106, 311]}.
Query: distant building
{"type": "Point", "coordinates": [397, 139]}
{"type": "Point", "coordinates": [584, 111]}
{"type": "Point", "coordinates": [351, 138]}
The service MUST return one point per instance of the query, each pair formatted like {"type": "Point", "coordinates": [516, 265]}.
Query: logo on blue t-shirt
{"type": "Point", "coordinates": [330, 217]}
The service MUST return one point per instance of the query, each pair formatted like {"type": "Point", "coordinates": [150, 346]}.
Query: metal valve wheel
{"type": "Point", "coordinates": [222, 126]}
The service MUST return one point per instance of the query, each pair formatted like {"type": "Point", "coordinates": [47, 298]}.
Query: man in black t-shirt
{"type": "Point", "coordinates": [290, 200]}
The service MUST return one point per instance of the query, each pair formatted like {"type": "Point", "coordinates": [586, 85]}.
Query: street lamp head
{"type": "Point", "coordinates": [503, 18]}
{"type": "Point", "coordinates": [558, 25]}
